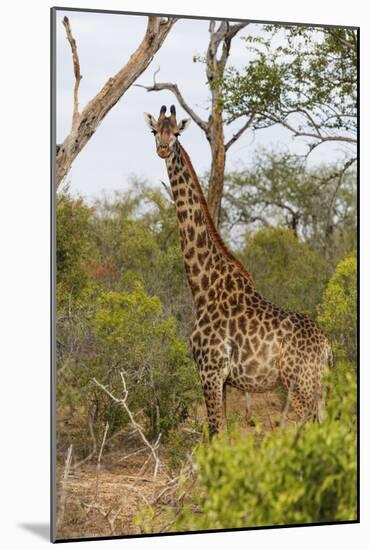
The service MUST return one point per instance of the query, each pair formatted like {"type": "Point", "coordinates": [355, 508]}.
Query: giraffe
{"type": "Point", "coordinates": [239, 338]}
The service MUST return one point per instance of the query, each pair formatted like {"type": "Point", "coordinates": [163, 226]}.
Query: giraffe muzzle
{"type": "Point", "coordinates": [163, 151]}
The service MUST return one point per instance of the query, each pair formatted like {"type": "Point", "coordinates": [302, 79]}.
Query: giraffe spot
{"type": "Point", "coordinates": [242, 323]}
{"type": "Point", "coordinates": [240, 283]}
{"type": "Point", "coordinates": [196, 337]}
{"type": "Point", "coordinates": [229, 284]}
{"type": "Point", "coordinates": [194, 287]}
{"type": "Point", "coordinates": [213, 277]}
{"type": "Point", "coordinates": [239, 338]}
{"type": "Point", "coordinates": [253, 327]}
{"type": "Point", "coordinates": [211, 294]}
{"type": "Point", "coordinates": [255, 342]}
{"type": "Point", "coordinates": [232, 327]}
{"type": "Point", "coordinates": [214, 354]}
{"type": "Point", "coordinates": [224, 309]}
{"type": "Point", "coordinates": [205, 282]}
{"type": "Point", "coordinates": [214, 340]}
{"type": "Point", "coordinates": [212, 307]}
{"type": "Point", "coordinates": [190, 253]}
{"type": "Point", "coordinates": [191, 232]}
{"type": "Point", "coordinates": [182, 215]}
{"type": "Point", "coordinates": [209, 264]}
{"type": "Point", "coordinates": [205, 320]}
{"type": "Point", "coordinates": [202, 256]}
{"type": "Point", "coordinates": [236, 310]}
{"type": "Point", "coordinates": [263, 352]}
{"type": "Point", "coordinates": [198, 217]}
{"type": "Point", "coordinates": [201, 302]}
{"type": "Point", "coordinates": [201, 239]}
{"type": "Point", "coordinates": [195, 269]}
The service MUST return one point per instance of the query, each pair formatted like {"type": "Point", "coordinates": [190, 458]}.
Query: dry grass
{"type": "Point", "coordinates": [123, 486]}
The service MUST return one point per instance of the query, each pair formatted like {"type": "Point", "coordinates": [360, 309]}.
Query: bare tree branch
{"type": "Point", "coordinates": [84, 124]}
{"type": "Point", "coordinates": [318, 136]}
{"type": "Point", "coordinates": [76, 66]}
{"type": "Point", "coordinates": [239, 133]}
{"type": "Point", "coordinates": [159, 86]}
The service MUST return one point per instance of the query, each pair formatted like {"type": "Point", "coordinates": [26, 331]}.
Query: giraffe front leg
{"type": "Point", "coordinates": [212, 384]}
{"type": "Point", "coordinates": [225, 405]}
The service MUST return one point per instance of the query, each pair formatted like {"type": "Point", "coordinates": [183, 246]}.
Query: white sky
{"type": "Point", "coordinates": [123, 145]}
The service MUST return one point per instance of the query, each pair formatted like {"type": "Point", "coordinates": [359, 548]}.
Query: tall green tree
{"type": "Point", "coordinates": [303, 78]}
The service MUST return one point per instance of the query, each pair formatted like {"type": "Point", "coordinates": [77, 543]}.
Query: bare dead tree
{"type": "Point", "coordinates": [85, 123]}
{"type": "Point", "coordinates": [216, 59]}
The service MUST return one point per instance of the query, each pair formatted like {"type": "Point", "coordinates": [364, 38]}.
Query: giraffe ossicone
{"type": "Point", "coordinates": [239, 338]}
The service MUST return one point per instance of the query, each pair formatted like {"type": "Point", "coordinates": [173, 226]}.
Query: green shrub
{"type": "Point", "coordinates": [292, 476]}
{"type": "Point", "coordinates": [127, 331]}
{"type": "Point", "coordinates": [338, 310]}
{"type": "Point", "coordinates": [286, 270]}
{"type": "Point", "coordinates": [73, 247]}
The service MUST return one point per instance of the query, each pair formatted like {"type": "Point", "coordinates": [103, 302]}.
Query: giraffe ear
{"type": "Point", "coordinates": [183, 125]}
{"type": "Point", "coordinates": [150, 121]}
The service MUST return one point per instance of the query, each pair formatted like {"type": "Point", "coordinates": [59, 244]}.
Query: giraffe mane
{"type": "Point", "coordinates": [209, 220]}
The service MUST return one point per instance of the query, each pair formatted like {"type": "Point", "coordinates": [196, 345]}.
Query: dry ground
{"type": "Point", "coordinates": [108, 505]}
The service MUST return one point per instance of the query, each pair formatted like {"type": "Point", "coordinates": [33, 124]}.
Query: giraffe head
{"type": "Point", "coordinates": [166, 130]}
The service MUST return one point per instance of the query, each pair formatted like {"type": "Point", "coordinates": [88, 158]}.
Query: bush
{"type": "Point", "coordinates": [286, 270]}
{"type": "Point", "coordinates": [289, 477]}
{"type": "Point", "coordinates": [127, 331]}
{"type": "Point", "coordinates": [338, 310]}
{"type": "Point", "coordinates": [73, 247]}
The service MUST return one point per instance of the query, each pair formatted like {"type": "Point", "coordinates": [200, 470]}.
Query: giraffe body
{"type": "Point", "coordinates": [239, 338]}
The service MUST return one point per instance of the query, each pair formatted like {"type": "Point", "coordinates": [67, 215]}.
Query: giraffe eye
{"type": "Point", "coordinates": [177, 134]}
{"type": "Point", "coordinates": [154, 132]}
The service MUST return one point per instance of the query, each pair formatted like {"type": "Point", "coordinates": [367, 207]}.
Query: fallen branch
{"type": "Point", "coordinates": [123, 402]}
{"type": "Point", "coordinates": [63, 494]}
{"type": "Point", "coordinates": [98, 465]}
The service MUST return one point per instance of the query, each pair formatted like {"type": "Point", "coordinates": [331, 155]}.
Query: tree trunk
{"type": "Point", "coordinates": [85, 123]}
{"type": "Point", "coordinates": [216, 59]}
{"type": "Point", "coordinates": [218, 155]}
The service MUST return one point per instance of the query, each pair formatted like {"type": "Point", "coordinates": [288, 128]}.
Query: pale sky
{"type": "Point", "coordinates": [123, 146]}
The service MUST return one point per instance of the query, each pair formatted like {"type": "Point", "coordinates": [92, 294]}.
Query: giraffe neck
{"type": "Point", "coordinates": [204, 253]}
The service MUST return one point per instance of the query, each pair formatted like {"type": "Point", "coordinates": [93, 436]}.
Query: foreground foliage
{"type": "Point", "coordinates": [292, 476]}
{"type": "Point", "coordinates": [338, 310]}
